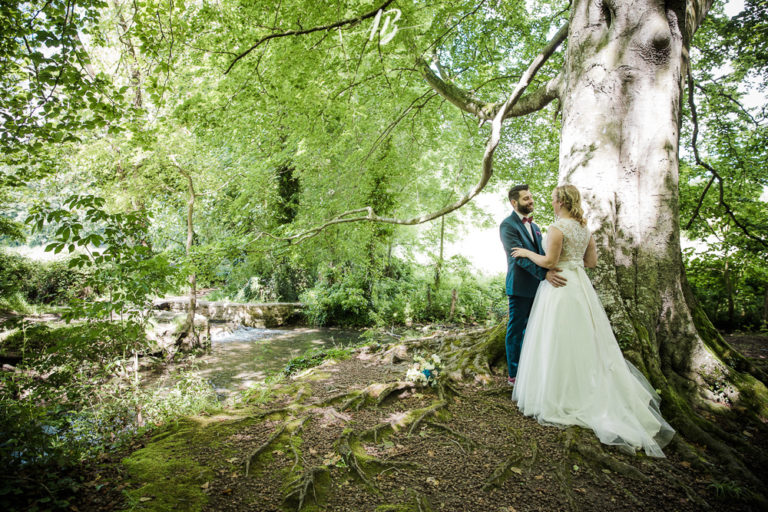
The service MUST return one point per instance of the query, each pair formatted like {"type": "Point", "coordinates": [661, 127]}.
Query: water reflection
{"type": "Point", "coordinates": [244, 356]}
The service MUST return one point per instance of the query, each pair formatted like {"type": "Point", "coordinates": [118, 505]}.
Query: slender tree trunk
{"type": "Point", "coordinates": [190, 241]}
{"type": "Point", "coordinates": [728, 283]}
{"type": "Point", "coordinates": [765, 308]}
{"type": "Point", "coordinates": [189, 338]}
{"type": "Point", "coordinates": [439, 264]}
{"type": "Point", "coordinates": [125, 38]}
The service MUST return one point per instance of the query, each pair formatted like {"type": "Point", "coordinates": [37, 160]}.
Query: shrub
{"type": "Point", "coordinates": [342, 304]}
{"type": "Point", "coordinates": [14, 271]}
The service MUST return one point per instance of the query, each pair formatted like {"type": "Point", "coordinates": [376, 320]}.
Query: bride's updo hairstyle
{"type": "Point", "coordinates": [570, 198]}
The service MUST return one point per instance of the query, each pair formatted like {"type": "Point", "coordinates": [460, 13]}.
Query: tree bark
{"type": "Point", "coordinates": [619, 143]}
{"type": "Point", "coordinates": [624, 73]}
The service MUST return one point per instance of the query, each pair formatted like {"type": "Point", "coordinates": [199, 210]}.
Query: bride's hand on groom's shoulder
{"type": "Point", "coordinates": [519, 252]}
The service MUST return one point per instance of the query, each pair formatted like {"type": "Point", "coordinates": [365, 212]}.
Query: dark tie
{"type": "Point", "coordinates": [528, 219]}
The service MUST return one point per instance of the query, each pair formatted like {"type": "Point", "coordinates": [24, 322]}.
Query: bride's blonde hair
{"type": "Point", "coordinates": [570, 198]}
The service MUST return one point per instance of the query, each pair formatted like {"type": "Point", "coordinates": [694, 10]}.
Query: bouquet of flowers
{"type": "Point", "coordinates": [424, 371]}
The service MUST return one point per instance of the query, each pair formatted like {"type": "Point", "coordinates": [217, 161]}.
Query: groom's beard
{"type": "Point", "coordinates": [525, 210]}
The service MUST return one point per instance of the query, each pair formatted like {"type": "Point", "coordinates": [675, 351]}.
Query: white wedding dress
{"type": "Point", "coordinates": [572, 371]}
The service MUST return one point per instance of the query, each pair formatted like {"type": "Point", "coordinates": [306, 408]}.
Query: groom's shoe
{"type": "Point", "coordinates": [511, 381]}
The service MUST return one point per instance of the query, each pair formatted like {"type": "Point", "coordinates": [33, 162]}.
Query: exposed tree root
{"type": "Point", "coordinates": [446, 389]}
{"type": "Point", "coordinates": [464, 440]}
{"type": "Point", "coordinates": [418, 503]}
{"type": "Point", "coordinates": [348, 446]}
{"type": "Point", "coordinates": [378, 433]}
{"type": "Point", "coordinates": [422, 414]}
{"type": "Point", "coordinates": [534, 457]}
{"type": "Point", "coordinates": [280, 411]}
{"type": "Point", "coordinates": [389, 390]}
{"type": "Point", "coordinates": [312, 485]}
{"type": "Point", "coordinates": [502, 390]}
{"type": "Point", "coordinates": [627, 493]}
{"type": "Point", "coordinates": [503, 471]}
{"type": "Point", "coordinates": [251, 458]}
{"type": "Point", "coordinates": [599, 457]}
{"type": "Point", "coordinates": [692, 496]}
{"type": "Point", "coordinates": [471, 354]}
{"type": "Point", "coordinates": [696, 429]}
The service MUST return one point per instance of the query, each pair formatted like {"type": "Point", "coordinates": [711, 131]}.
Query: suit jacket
{"type": "Point", "coordinates": [523, 275]}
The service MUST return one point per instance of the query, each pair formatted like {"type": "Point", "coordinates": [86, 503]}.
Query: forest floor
{"type": "Point", "coordinates": [351, 436]}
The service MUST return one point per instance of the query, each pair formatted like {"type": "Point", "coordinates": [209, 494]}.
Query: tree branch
{"type": "Point", "coordinates": [487, 163]}
{"type": "Point", "coordinates": [732, 99]}
{"type": "Point", "coordinates": [698, 205]}
{"type": "Point", "coordinates": [468, 102]}
{"type": "Point", "coordinates": [453, 27]}
{"type": "Point", "coordinates": [715, 174]}
{"type": "Point", "coordinates": [348, 21]}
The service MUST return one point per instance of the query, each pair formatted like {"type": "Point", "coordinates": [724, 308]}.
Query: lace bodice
{"type": "Point", "coordinates": [575, 240]}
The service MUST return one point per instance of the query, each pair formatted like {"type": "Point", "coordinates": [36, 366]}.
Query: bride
{"type": "Point", "coordinates": [572, 371]}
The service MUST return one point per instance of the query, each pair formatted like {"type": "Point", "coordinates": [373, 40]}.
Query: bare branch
{"type": "Point", "coordinates": [732, 99]}
{"type": "Point", "coordinates": [468, 102]}
{"type": "Point", "coordinates": [715, 174]}
{"type": "Point", "coordinates": [698, 205]}
{"type": "Point", "coordinates": [368, 214]}
{"type": "Point", "coordinates": [348, 21]}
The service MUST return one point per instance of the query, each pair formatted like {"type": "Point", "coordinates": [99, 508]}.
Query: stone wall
{"type": "Point", "coordinates": [271, 314]}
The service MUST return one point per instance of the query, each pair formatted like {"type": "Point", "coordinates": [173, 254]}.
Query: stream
{"type": "Point", "coordinates": [246, 355]}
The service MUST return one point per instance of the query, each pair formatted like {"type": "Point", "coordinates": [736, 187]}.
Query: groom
{"type": "Point", "coordinates": [523, 276]}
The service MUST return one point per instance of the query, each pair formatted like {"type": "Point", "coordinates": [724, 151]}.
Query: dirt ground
{"type": "Point", "coordinates": [753, 346]}
{"type": "Point", "coordinates": [318, 444]}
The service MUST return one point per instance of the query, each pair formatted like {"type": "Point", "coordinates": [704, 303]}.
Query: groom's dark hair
{"type": "Point", "coordinates": [514, 192]}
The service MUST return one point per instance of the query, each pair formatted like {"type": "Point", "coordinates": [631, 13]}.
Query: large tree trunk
{"type": "Point", "coordinates": [621, 105]}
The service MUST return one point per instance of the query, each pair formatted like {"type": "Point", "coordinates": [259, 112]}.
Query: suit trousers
{"type": "Point", "coordinates": [519, 310]}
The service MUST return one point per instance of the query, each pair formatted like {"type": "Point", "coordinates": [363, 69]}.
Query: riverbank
{"type": "Point", "coordinates": [350, 435]}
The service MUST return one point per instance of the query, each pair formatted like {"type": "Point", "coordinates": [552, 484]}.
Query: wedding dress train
{"type": "Point", "coordinates": [572, 371]}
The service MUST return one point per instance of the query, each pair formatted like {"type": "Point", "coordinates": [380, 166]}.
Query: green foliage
{"type": "Point", "coordinates": [342, 303]}
{"type": "Point", "coordinates": [261, 278]}
{"type": "Point", "coordinates": [404, 294]}
{"type": "Point", "coordinates": [57, 283]}
{"type": "Point", "coordinates": [314, 357]}
{"type": "Point", "coordinates": [731, 288]}
{"type": "Point", "coordinates": [14, 269]}
{"type": "Point", "coordinates": [115, 253]}
{"type": "Point", "coordinates": [727, 213]}
{"type": "Point", "coordinates": [49, 93]}
{"type": "Point", "coordinates": [11, 229]}
{"type": "Point", "coordinates": [87, 402]}
{"type": "Point", "coordinates": [51, 283]}
{"type": "Point", "coordinates": [727, 490]}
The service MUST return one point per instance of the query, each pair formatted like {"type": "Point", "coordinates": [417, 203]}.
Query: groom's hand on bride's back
{"type": "Point", "coordinates": [554, 277]}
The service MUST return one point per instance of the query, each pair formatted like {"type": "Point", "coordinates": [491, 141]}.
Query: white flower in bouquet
{"type": "Point", "coordinates": [424, 372]}
{"type": "Point", "coordinates": [413, 374]}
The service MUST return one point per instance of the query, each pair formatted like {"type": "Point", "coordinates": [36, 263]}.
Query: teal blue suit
{"type": "Point", "coordinates": [523, 278]}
